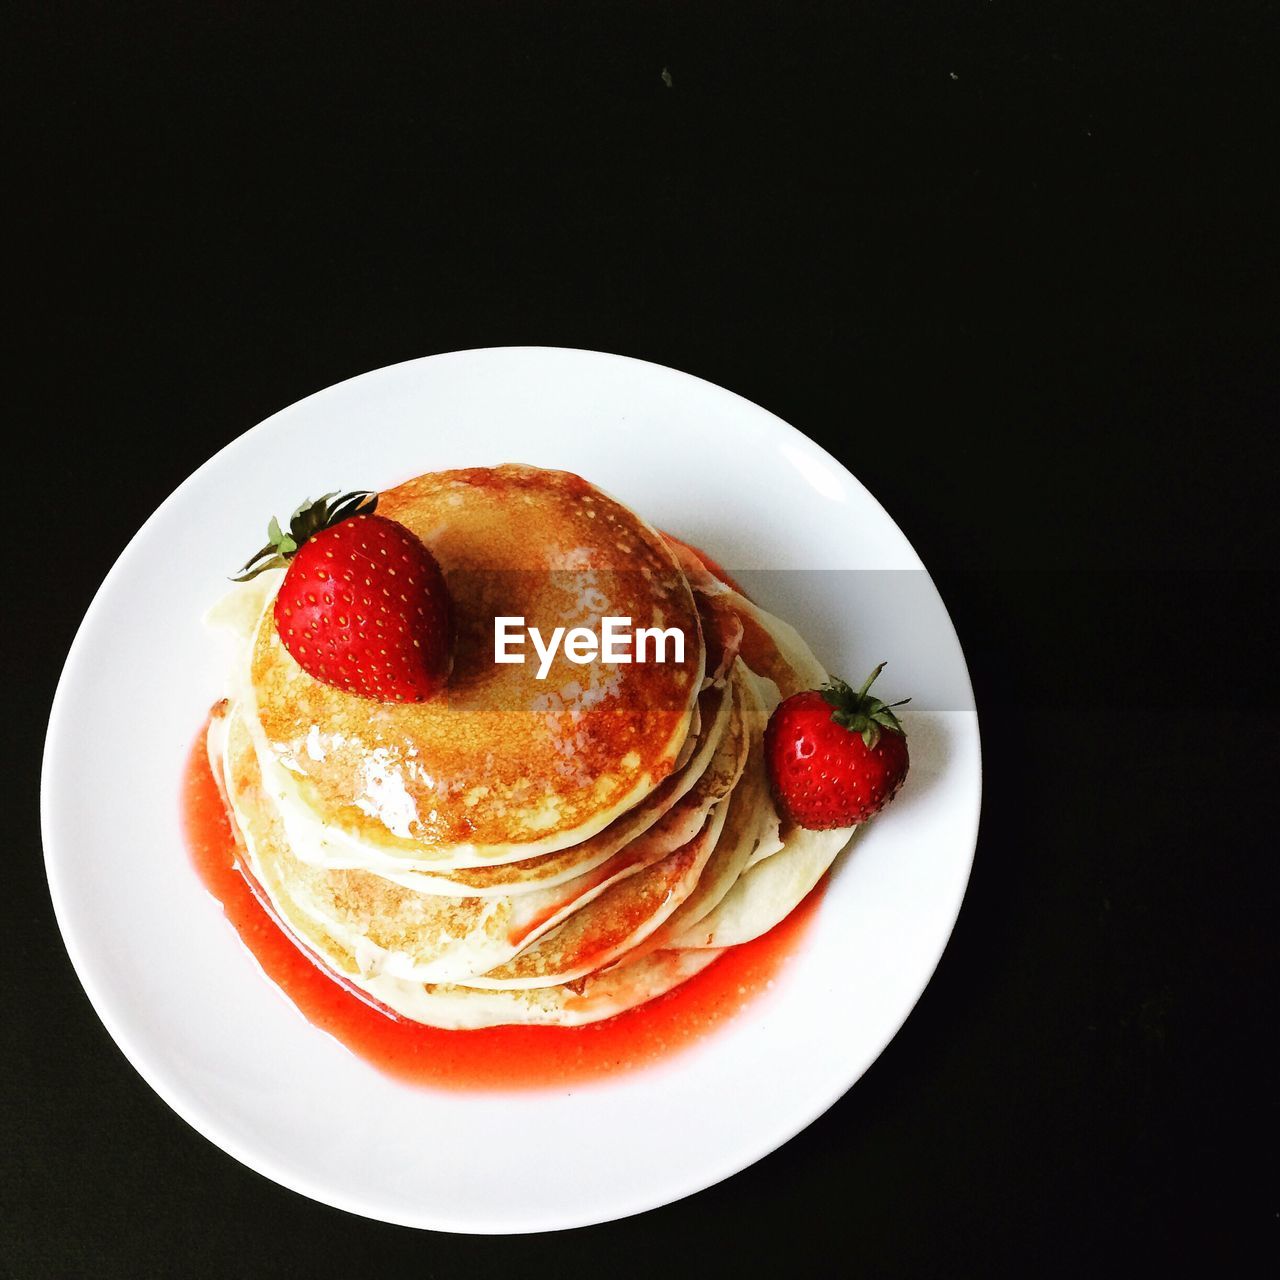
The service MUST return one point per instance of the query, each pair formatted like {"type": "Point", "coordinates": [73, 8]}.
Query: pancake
{"type": "Point", "coordinates": [602, 995]}
{"type": "Point", "coordinates": [312, 842]}
{"type": "Point", "coordinates": [385, 927]}
{"type": "Point", "coordinates": [769, 891]}
{"type": "Point", "coordinates": [746, 823]}
{"type": "Point", "coordinates": [625, 915]}
{"type": "Point", "coordinates": [504, 766]}
{"type": "Point", "coordinates": [604, 848]}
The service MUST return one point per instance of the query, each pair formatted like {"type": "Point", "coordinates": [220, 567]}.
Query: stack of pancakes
{"type": "Point", "coordinates": [517, 849]}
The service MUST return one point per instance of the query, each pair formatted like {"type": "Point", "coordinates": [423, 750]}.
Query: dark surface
{"type": "Point", "coordinates": [1014, 264]}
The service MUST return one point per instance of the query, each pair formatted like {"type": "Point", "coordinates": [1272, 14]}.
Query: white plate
{"type": "Point", "coordinates": [187, 1003]}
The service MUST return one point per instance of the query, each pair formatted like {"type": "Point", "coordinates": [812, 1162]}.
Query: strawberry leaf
{"type": "Point", "coordinates": [861, 712]}
{"type": "Point", "coordinates": [307, 520]}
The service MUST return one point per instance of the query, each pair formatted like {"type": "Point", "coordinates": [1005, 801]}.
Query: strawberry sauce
{"type": "Point", "coordinates": [495, 1057]}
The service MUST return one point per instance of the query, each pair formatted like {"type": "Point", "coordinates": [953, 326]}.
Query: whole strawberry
{"type": "Point", "coordinates": [835, 757]}
{"type": "Point", "coordinates": [363, 605]}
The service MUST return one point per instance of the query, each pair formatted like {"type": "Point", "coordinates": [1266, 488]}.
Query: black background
{"type": "Point", "coordinates": [1013, 263]}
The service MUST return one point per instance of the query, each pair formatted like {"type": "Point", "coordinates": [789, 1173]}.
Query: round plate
{"type": "Point", "coordinates": [187, 1003]}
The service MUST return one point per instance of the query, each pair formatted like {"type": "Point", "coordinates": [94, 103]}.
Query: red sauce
{"type": "Point", "coordinates": [495, 1057]}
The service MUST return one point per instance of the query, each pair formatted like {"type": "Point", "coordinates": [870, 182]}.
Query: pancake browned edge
{"type": "Point", "coordinates": [608, 839]}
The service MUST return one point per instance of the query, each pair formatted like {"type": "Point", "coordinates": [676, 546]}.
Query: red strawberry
{"type": "Point", "coordinates": [363, 606]}
{"type": "Point", "coordinates": [835, 757]}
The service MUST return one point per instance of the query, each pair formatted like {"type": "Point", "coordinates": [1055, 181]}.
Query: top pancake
{"type": "Point", "coordinates": [501, 765]}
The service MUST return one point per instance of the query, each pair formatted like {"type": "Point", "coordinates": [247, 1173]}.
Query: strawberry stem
{"type": "Point", "coordinates": [870, 680]}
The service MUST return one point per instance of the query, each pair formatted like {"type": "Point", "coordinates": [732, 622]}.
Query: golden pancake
{"type": "Point", "coordinates": [503, 766]}
{"type": "Point", "coordinates": [312, 841]}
